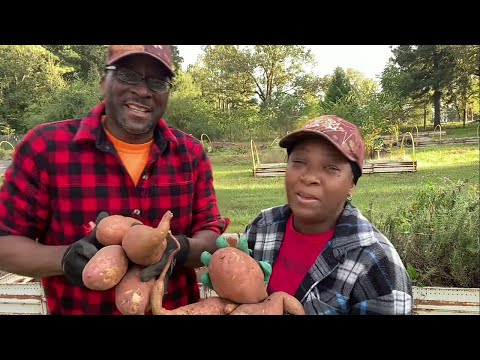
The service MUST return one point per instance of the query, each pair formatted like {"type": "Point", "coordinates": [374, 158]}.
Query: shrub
{"type": "Point", "coordinates": [437, 235]}
{"type": "Point", "coordinates": [72, 101]}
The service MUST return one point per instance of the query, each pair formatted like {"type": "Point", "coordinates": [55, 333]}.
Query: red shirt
{"type": "Point", "coordinates": [63, 174]}
{"type": "Point", "coordinates": [296, 256]}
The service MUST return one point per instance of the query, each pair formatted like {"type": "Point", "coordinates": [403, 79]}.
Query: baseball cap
{"type": "Point", "coordinates": [162, 53]}
{"type": "Point", "coordinates": [344, 135]}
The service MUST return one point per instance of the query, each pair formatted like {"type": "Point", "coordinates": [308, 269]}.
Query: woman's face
{"type": "Point", "coordinates": [318, 180]}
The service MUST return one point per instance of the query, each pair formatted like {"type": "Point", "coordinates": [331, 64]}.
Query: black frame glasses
{"type": "Point", "coordinates": [159, 86]}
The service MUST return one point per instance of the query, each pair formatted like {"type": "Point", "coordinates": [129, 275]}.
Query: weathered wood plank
{"type": "Point", "coordinates": [278, 169]}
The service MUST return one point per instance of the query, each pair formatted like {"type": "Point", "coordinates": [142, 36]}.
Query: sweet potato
{"type": "Point", "coordinates": [106, 268]}
{"type": "Point", "coordinates": [210, 306]}
{"type": "Point", "coordinates": [144, 245]}
{"type": "Point", "coordinates": [237, 276]}
{"type": "Point", "coordinates": [132, 295]}
{"type": "Point", "coordinates": [110, 230]}
{"type": "Point", "coordinates": [158, 291]}
{"type": "Point", "coordinates": [278, 303]}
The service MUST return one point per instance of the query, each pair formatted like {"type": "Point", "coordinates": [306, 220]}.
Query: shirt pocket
{"type": "Point", "coordinates": [176, 197]}
{"type": "Point", "coordinates": [327, 302]}
{"type": "Point", "coordinates": [172, 190]}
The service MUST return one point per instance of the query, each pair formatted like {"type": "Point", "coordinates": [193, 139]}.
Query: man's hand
{"type": "Point", "coordinates": [79, 253]}
{"type": "Point", "coordinates": [243, 246]}
{"type": "Point", "coordinates": [154, 271]}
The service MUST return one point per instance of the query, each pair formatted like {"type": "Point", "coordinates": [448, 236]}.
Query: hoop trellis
{"type": "Point", "coordinates": [6, 142]}
{"type": "Point", "coordinates": [439, 132]}
{"type": "Point", "coordinates": [207, 143]}
{"type": "Point", "coordinates": [402, 150]}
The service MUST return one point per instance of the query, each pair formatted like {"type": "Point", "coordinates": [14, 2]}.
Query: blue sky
{"type": "Point", "coordinates": [368, 59]}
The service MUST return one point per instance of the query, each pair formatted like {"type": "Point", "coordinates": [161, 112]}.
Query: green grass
{"type": "Point", "coordinates": [458, 133]}
{"type": "Point", "coordinates": [241, 196]}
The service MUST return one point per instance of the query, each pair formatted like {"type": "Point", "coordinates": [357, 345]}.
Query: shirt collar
{"type": "Point", "coordinates": [91, 129]}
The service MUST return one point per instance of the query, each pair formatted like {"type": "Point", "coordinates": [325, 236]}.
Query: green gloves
{"type": "Point", "coordinates": [243, 246]}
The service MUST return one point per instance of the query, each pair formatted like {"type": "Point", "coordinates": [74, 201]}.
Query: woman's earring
{"type": "Point", "coordinates": [349, 197]}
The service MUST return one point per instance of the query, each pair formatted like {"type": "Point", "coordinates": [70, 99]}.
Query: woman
{"type": "Point", "coordinates": [321, 248]}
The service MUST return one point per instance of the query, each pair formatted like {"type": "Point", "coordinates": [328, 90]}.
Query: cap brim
{"type": "Point", "coordinates": [291, 139]}
{"type": "Point", "coordinates": [294, 137]}
{"type": "Point", "coordinates": [115, 59]}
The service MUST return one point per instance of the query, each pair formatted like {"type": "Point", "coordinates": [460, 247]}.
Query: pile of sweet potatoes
{"type": "Point", "coordinates": [239, 282]}
{"type": "Point", "coordinates": [130, 246]}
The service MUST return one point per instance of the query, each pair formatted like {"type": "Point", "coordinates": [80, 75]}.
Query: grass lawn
{"type": "Point", "coordinates": [241, 196]}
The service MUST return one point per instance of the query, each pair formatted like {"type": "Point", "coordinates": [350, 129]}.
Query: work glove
{"type": "Point", "coordinates": [79, 253]}
{"type": "Point", "coordinates": [243, 246]}
{"type": "Point", "coordinates": [154, 271]}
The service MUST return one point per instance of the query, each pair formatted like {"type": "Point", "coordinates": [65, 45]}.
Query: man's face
{"type": "Point", "coordinates": [318, 180]}
{"type": "Point", "coordinates": [134, 110]}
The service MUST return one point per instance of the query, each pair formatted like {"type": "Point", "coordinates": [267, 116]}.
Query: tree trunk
{"type": "Point", "coordinates": [478, 74]}
{"type": "Point", "coordinates": [436, 102]}
{"type": "Point", "coordinates": [425, 116]}
{"type": "Point", "coordinates": [464, 116]}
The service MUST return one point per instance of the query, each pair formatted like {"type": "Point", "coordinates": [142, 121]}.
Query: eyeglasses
{"type": "Point", "coordinates": [132, 77]}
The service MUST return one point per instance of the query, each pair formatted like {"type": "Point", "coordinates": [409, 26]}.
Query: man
{"type": "Point", "coordinates": [321, 248]}
{"type": "Point", "coordinates": [122, 158]}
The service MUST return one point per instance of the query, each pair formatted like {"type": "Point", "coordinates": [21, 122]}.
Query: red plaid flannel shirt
{"type": "Point", "coordinates": [65, 173]}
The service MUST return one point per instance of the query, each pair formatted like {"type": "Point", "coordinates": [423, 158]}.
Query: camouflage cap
{"type": "Point", "coordinates": [344, 135]}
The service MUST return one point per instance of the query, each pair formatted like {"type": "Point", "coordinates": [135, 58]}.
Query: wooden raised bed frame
{"type": "Point", "coordinates": [260, 169]}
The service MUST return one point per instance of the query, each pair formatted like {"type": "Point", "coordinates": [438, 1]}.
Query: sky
{"type": "Point", "coordinates": [368, 59]}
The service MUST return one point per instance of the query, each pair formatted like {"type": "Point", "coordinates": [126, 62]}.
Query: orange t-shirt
{"type": "Point", "coordinates": [134, 156]}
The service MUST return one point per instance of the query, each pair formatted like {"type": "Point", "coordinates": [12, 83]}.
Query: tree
{"type": "Point", "coordinates": [188, 110]}
{"type": "Point", "coordinates": [82, 61]}
{"type": "Point", "coordinates": [396, 85]}
{"type": "Point", "coordinates": [463, 88]}
{"type": "Point", "coordinates": [222, 77]}
{"type": "Point", "coordinates": [339, 87]}
{"type": "Point", "coordinates": [284, 111]}
{"type": "Point", "coordinates": [350, 95]}
{"type": "Point", "coordinates": [28, 73]}
{"type": "Point", "coordinates": [430, 68]}
{"type": "Point", "coordinates": [362, 87]}
{"type": "Point", "coordinates": [259, 71]}
{"type": "Point", "coordinates": [74, 100]}
{"type": "Point", "coordinates": [275, 68]}
{"type": "Point", "coordinates": [177, 59]}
